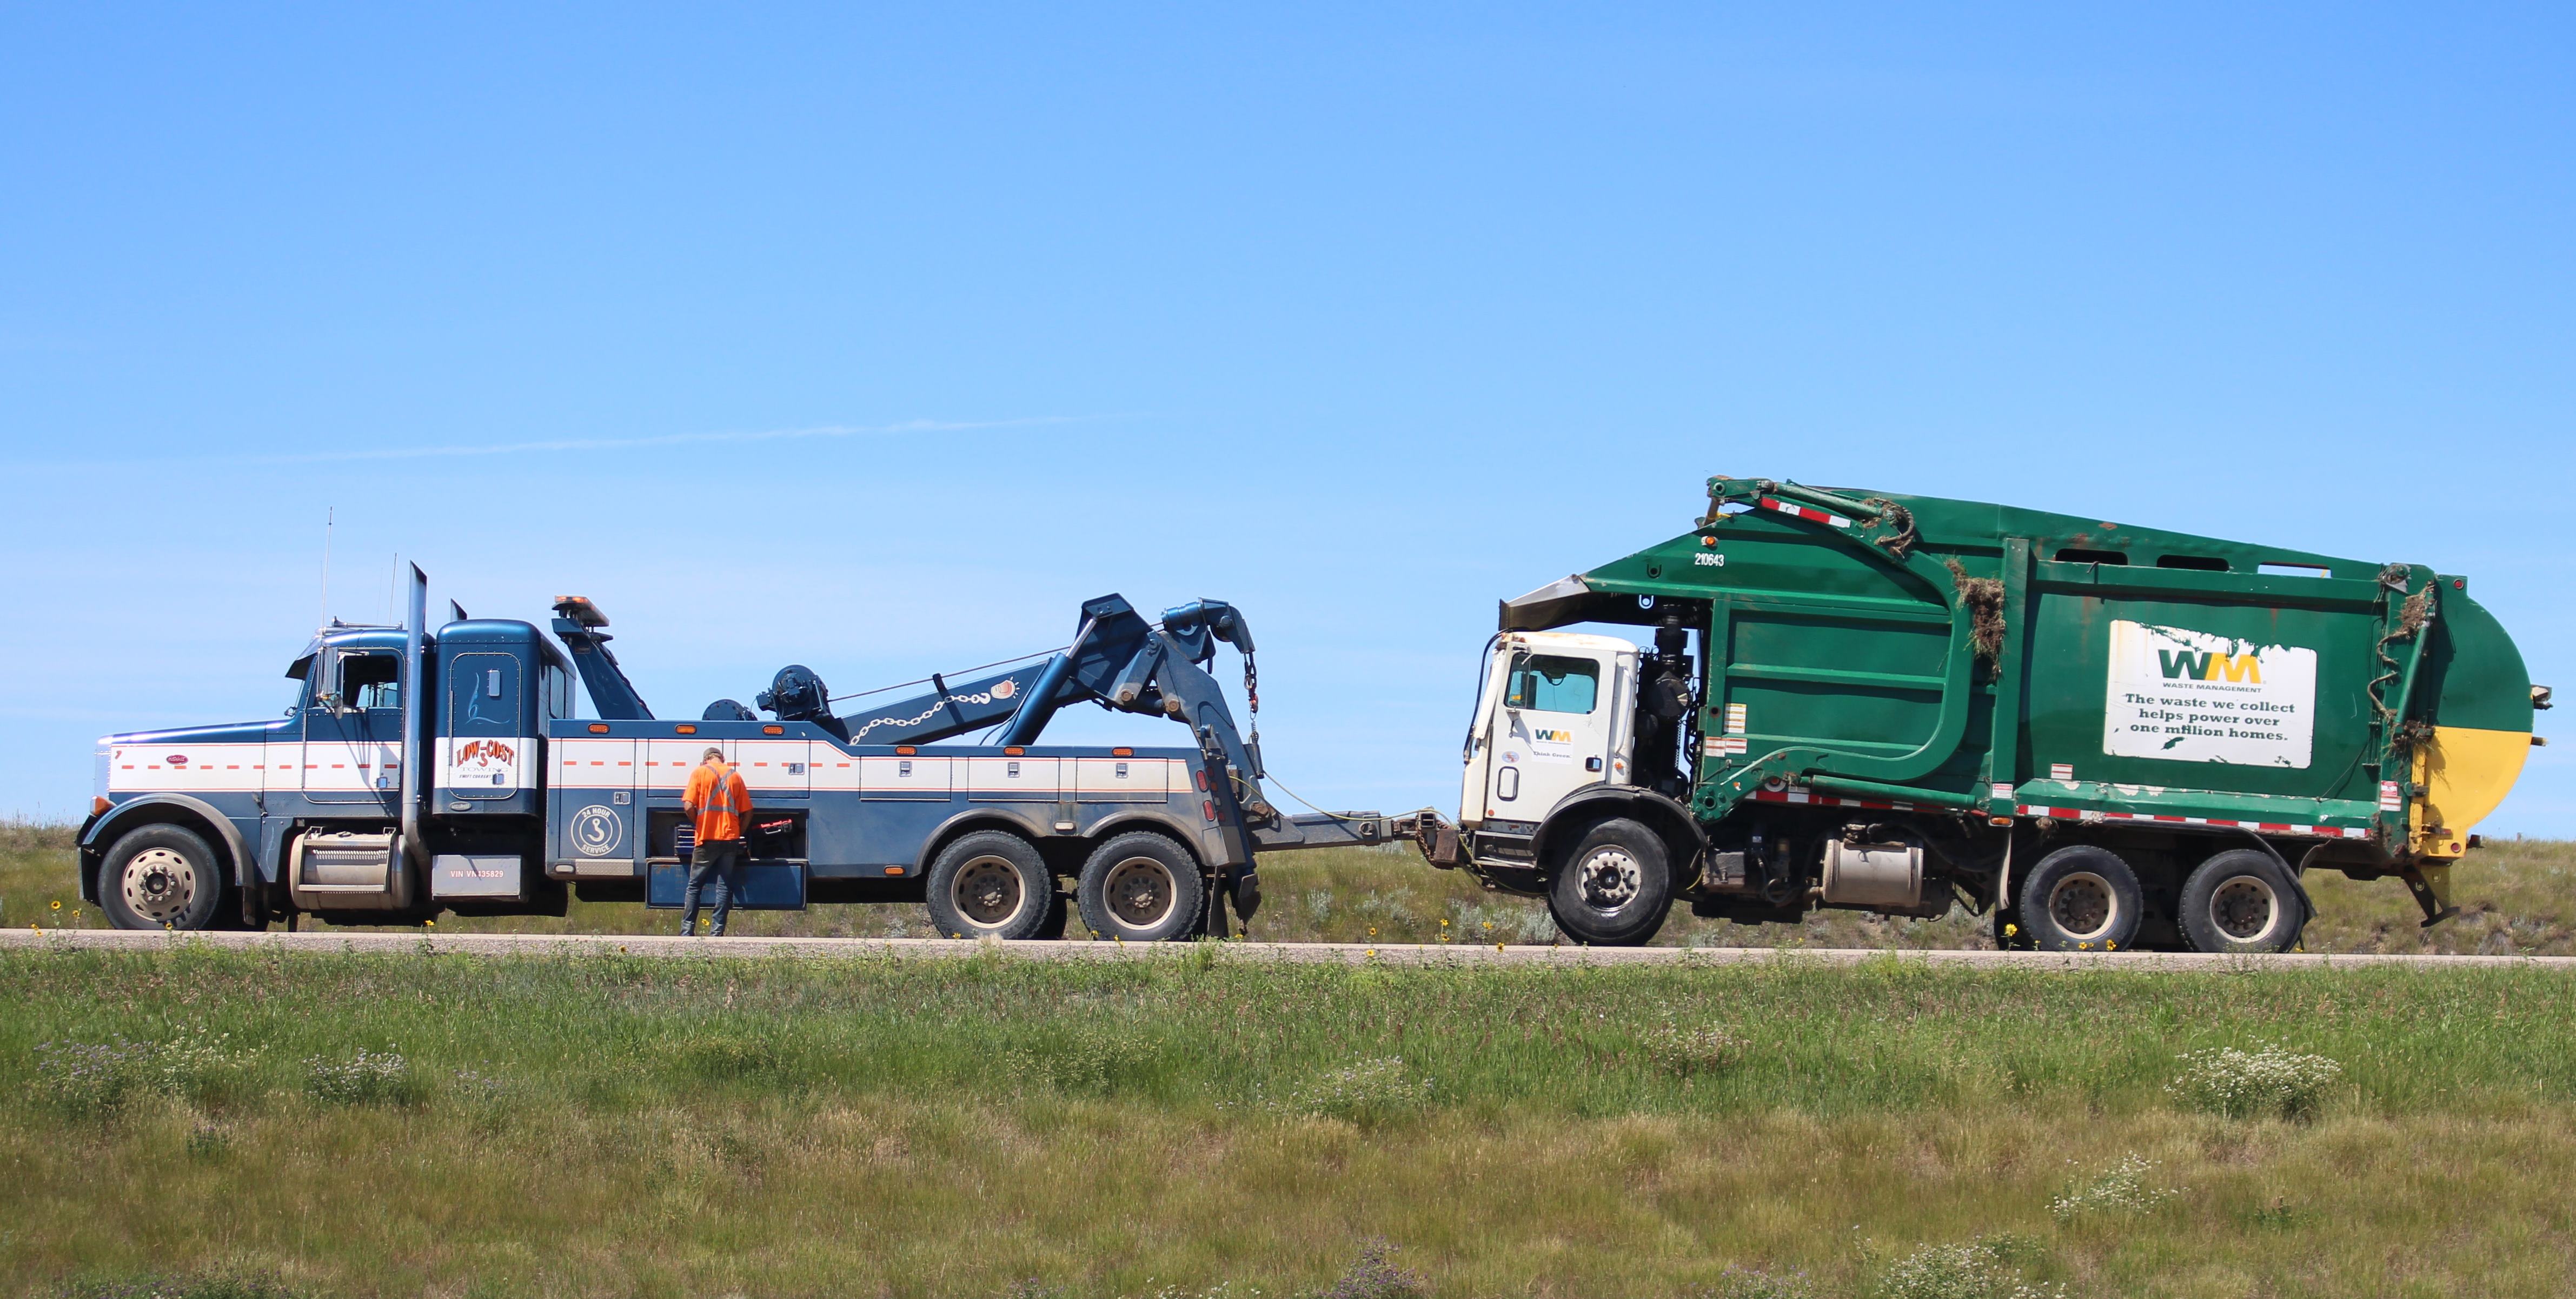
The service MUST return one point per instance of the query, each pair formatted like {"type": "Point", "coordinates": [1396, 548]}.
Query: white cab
{"type": "Point", "coordinates": [1554, 716]}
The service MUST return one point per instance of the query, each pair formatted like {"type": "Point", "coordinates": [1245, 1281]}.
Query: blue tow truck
{"type": "Point", "coordinates": [417, 773]}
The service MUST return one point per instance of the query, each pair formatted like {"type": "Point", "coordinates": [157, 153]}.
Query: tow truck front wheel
{"type": "Point", "coordinates": [160, 877]}
{"type": "Point", "coordinates": [1615, 887]}
{"type": "Point", "coordinates": [1141, 888]}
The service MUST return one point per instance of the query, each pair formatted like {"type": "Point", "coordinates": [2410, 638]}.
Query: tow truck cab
{"type": "Point", "coordinates": [304, 810]}
{"type": "Point", "coordinates": [487, 794]}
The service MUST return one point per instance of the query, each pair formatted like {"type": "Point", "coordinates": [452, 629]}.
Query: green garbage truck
{"type": "Point", "coordinates": [2105, 736]}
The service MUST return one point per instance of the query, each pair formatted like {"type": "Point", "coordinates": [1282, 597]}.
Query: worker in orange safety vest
{"type": "Point", "coordinates": [721, 803]}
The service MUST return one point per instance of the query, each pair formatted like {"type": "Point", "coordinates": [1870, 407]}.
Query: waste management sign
{"type": "Point", "coordinates": [2189, 696]}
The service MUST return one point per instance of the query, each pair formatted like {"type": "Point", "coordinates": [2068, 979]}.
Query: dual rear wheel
{"type": "Point", "coordinates": [993, 884]}
{"type": "Point", "coordinates": [2085, 898]}
{"type": "Point", "coordinates": [1138, 887]}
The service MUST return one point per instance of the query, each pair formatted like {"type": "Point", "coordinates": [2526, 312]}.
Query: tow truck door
{"type": "Point", "coordinates": [353, 731]}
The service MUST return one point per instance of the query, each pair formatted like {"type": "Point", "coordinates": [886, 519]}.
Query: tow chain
{"type": "Point", "coordinates": [1252, 694]}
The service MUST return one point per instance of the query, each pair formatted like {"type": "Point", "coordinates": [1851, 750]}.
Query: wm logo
{"type": "Point", "coordinates": [2191, 665]}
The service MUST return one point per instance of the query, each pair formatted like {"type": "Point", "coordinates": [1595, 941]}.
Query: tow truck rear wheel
{"type": "Point", "coordinates": [990, 884]}
{"type": "Point", "coordinates": [1057, 913]}
{"type": "Point", "coordinates": [1141, 888]}
{"type": "Point", "coordinates": [1615, 887]}
{"type": "Point", "coordinates": [161, 877]}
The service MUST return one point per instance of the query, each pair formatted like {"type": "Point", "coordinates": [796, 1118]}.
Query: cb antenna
{"type": "Point", "coordinates": [330, 515]}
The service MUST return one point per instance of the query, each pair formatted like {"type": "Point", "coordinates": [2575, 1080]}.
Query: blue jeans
{"type": "Point", "coordinates": [717, 862]}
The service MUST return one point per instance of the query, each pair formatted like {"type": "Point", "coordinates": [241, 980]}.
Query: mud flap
{"type": "Point", "coordinates": [1247, 896]}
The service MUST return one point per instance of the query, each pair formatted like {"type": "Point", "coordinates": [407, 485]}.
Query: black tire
{"type": "Point", "coordinates": [1614, 888]}
{"type": "Point", "coordinates": [2242, 901]}
{"type": "Point", "coordinates": [989, 884]}
{"type": "Point", "coordinates": [161, 877]}
{"type": "Point", "coordinates": [1058, 912]}
{"type": "Point", "coordinates": [1141, 888]}
{"type": "Point", "coordinates": [2082, 899]}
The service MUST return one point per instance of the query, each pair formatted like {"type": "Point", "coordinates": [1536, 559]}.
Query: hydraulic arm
{"type": "Point", "coordinates": [577, 625]}
{"type": "Point", "coordinates": [1117, 660]}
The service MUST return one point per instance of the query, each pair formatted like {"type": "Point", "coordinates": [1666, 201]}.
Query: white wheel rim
{"type": "Point", "coordinates": [2084, 905]}
{"type": "Point", "coordinates": [1608, 880]}
{"type": "Point", "coordinates": [2245, 909]}
{"type": "Point", "coordinates": [1140, 892]}
{"type": "Point", "coordinates": [987, 892]}
{"type": "Point", "coordinates": [158, 885]}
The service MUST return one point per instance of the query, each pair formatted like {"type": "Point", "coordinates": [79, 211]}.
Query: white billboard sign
{"type": "Point", "coordinates": [2189, 696]}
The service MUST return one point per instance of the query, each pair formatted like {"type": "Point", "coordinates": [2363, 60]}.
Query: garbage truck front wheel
{"type": "Point", "coordinates": [1614, 888]}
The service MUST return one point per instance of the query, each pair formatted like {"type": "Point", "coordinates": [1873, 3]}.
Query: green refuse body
{"type": "Point", "coordinates": [2108, 735]}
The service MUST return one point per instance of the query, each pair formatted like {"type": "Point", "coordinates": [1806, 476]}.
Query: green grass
{"type": "Point", "coordinates": [798, 1126]}
{"type": "Point", "coordinates": [2516, 898]}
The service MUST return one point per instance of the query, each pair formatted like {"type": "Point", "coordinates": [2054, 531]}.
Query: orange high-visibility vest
{"type": "Point", "coordinates": [720, 800]}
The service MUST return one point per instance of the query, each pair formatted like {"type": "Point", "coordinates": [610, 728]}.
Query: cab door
{"type": "Point", "coordinates": [1475, 796]}
{"type": "Point", "coordinates": [353, 731]}
{"type": "Point", "coordinates": [1553, 731]}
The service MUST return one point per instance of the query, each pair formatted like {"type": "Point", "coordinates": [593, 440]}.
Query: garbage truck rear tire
{"type": "Point", "coordinates": [2082, 899]}
{"type": "Point", "coordinates": [2241, 901]}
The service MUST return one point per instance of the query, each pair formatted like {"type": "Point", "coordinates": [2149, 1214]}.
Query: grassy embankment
{"type": "Point", "coordinates": [2516, 898]}
{"type": "Point", "coordinates": [614, 1125]}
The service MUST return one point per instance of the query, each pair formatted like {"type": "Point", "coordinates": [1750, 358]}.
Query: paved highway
{"type": "Point", "coordinates": [328, 941]}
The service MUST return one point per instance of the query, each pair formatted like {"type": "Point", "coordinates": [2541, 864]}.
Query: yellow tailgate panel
{"type": "Point", "coordinates": [2462, 775]}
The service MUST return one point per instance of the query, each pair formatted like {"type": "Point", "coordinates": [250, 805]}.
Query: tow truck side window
{"type": "Point", "coordinates": [558, 692]}
{"type": "Point", "coordinates": [370, 681]}
{"type": "Point", "coordinates": [1548, 683]}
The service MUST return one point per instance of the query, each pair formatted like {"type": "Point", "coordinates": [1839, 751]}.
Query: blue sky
{"type": "Point", "coordinates": [877, 340]}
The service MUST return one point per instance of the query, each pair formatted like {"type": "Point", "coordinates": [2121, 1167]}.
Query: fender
{"type": "Point", "coordinates": [2298, 884]}
{"type": "Point", "coordinates": [967, 822]}
{"type": "Point", "coordinates": [994, 818]}
{"type": "Point", "coordinates": [1158, 821]}
{"type": "Point", "coordinates": [104, 831]}
{"type": "Point", "coordinates": [1667, 815]}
